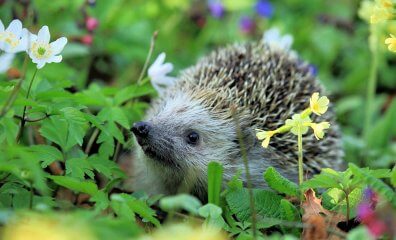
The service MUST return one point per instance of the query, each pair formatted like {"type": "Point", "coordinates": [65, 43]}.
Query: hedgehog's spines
{"type": "Point", "coordinates": [268, 86]}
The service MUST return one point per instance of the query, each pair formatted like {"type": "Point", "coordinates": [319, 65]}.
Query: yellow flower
{"type": "Point", "coordinates": [319, 128]}
{"type": "Point", "coordinates": [266, 136]}
{"type": "Point", "coordinates": [380, 13]}
{"type": "Point", "coordinates": [299, 124]}
{"type": "Point", "coordinates": [318, 105]}
{"type": "Point", "coordinates": [32, 226]}
{"type": "Point", "coordinates": [366, 9]}
{"type": "Point", "coordinates": [185, 232]}
{"type": "Point", "coordinates": [391, 43]}
{"type": "Point", "coordinates": [385, 3]}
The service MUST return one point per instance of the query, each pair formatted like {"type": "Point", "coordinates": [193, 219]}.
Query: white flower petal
{"type": "Point", "coordinates": [160, 59]}
{"type": "Point", "coordinates": [6, 61]}
{"type": "Point", "coordinates": [44, 35]}
{"type": "Point", "coordinates": [55, 59]}
{"type": "Point", "coordinates": [40, 64]}
{"type": "Point", "coordinates": [58, 45]}
{"type": "Point", "coordinates": [1, 26]}
{"type": "Point", "coordinates": [15, 27]}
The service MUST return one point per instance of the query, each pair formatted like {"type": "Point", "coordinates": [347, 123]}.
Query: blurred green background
{"type": "Point", "coordinates": [328, 33]}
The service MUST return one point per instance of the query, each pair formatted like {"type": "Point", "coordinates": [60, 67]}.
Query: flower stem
{"type": "Point", "coordinates": [23, 120]}
{"type": "Point", "coordinates": [152, 45]}
{"type": "Point", "coordinates": [300, 158]}
{"type": "Point", "coordinates": [348, 207]}
{"type": "Point", "coordinates": [371, 84]}
{"type": "Point", "coordinates": [8, 104]}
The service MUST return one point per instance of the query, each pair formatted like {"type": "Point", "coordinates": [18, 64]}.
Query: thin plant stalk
{"type": "Point", "coordinates": [372, 83]}
{"type": "Point", "coordinates": [300, 158]}
{"type": "Point", "coordinates": [10, 101]}
{"type": "Point", "coordinates": [151, 50]}
{"type": "Point", "coordinates": [247, 172]}
{"type": "Point", "coordinates": [23, 120]}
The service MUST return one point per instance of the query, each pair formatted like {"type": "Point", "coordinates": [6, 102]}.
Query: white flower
{"type": "Point", "coordinates": [14, 38]}
{"type": "Point", "coordinates": [41, 51]}
{"type": "Point", "coordinates": [274, 38]}
{"type": "Point", "coordinates": [6, 61]}
{"type": "Point", "coordinates": [158, 74]}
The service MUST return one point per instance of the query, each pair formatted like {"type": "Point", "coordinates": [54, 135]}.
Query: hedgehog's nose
{"type": "Point", "coordinates": [141, 129]}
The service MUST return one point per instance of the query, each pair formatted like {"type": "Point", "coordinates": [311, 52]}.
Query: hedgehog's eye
{"type": "Point", "coordinates": [192, 138]}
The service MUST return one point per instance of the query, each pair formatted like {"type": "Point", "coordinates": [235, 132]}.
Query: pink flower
{"type": "Point", "coordinates": [91, 23]}
{"type": "Point", "coordinates": [87, 39]}
{"type": "Point", "coordinates": [376, 227]}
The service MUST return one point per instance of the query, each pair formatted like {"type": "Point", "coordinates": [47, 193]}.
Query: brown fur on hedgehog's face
{"type": "Point", "coordinates": [181, 134]}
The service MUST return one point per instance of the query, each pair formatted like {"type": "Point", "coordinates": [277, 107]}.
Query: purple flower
{"type": "Point", "coordinates": [264, 8]}
{"type": "Point", "coordinates": [246, 24]}
{"type": "Point", "coordinates": [216, 9]}
{"type": "Point", "coordinates": [313, 69]}
{"type": "Point", "coordinates": [370, 197]}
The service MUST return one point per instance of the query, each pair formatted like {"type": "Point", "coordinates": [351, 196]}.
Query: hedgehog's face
{"type": "Point", "coordinates": [181, 134]}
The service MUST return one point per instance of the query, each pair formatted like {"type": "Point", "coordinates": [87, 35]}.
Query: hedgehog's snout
{"type": "Point", "coordinates": [141, 129]}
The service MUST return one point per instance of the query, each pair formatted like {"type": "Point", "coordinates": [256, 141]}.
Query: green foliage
{"type": "Point", "coordinates": [279, 183]}
{"type": "Point", "coordinates": [370, 178]}
{"type": "Point", "coordinates": [266, 202]}
{"type": "Point", "coordinates": [79, 112]}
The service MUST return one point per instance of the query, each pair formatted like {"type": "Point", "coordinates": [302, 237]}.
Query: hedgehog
{"type": "Point", "coordinates": [245, 86]}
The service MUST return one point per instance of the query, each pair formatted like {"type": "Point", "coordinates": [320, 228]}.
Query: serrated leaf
{"type": "Point", "coordinates": [132, 91]}
{"type": "Point", "coordinates": [65, 133]}
{"type": "Point", "coordinates": [47, 154]}
{"type": "Point", "coordinates": [137, 206]}
{"type": "Point", "coordinates": [328, 178]}
{"type": "Point", "coordinates": [289, 211]}
{"type": "Point", "coordinates": [78, 168]}
{"type": "Point", "coordinates": [266, 203]}
{"type": "Point", "coordinates": [106, 167]}
{"type": "Point", "coordinates": [279, 183]}
{"type": "Point", "coordinates": [335, 200]}
{"type": "Point", "coordinates": [379, 186]}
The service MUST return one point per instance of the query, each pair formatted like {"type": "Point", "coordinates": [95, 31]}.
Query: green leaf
{"type": "Point", "coordinates": [75, 184]}
{"type": "Point", "coordinates": [66, 130]}
{"type": "Point", "coordinates": [47, 154]}
{"type": "Point", "coordinates": [215, 178]}
{"type": "Point", "coordinates": [289, 211]}
{"type": "Point", "coordinates": [279, 183]}
{"type": "Point", "coordinates": [335, 200]}
{"type": "Point", "coordinates": [379, 186]}
{"type": "Point", "coordinates": [212, 215]}
{"type": "Point", "coordinates": [182, 201]}
{"type": "Point", "coordinates": [78, 167]}
{"type": "Point", "coordinates": [393, 176]}
{"type": "Point", "coordinates": [137, 206]}
{"type": "Point", "coordinates": [328, 178]}
{"type": "Point", "coordinates": [8, 129]}
{"type": "Point", "coordinates": [132, 91]}
{"type": "Point", "coordinates": [235, 183]}
{"type": "Point", "coordinates": [266, 203]}
{"type": "Point", "coordinates": [384, 128]}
